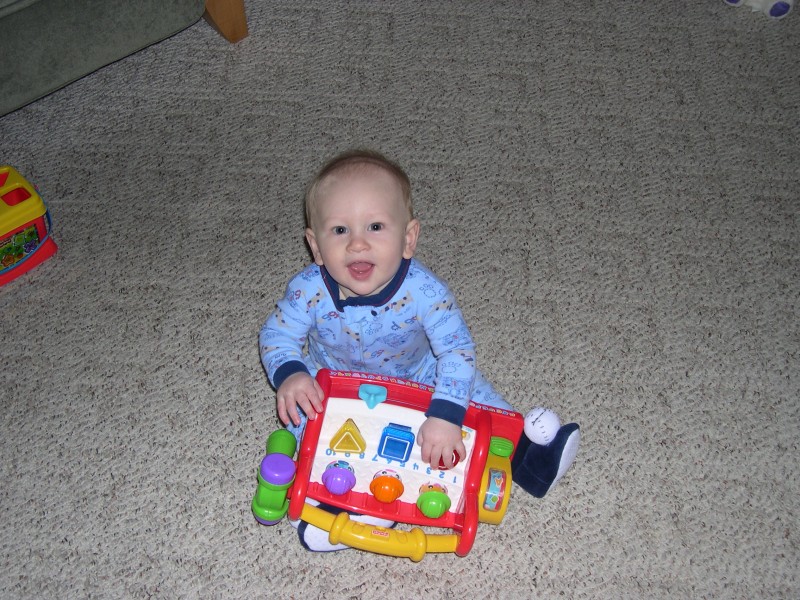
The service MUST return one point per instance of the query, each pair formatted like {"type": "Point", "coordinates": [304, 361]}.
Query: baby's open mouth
{"type": "Point", "coordinates": [360, 270]}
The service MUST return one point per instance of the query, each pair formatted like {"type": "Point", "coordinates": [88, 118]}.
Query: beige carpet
{"type": "Point", "coordinates": [610, 187]}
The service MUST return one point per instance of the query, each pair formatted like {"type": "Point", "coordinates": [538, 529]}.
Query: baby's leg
{"type": "Point", "coordinates": [545, 450]}
{"type": "Point", "coordinates": [484, 393]}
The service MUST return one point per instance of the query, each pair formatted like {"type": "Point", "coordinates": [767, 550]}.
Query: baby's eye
{"type": "Point", "coordinates": [376, 227]}
{"type": "Point", "coordinates": [340, 230]}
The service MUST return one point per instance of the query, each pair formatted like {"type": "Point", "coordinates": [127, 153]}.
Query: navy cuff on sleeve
{"type": "Point", "coordinates": [287, 369]}
{"type": "Point", "coordinates": [447, 411]}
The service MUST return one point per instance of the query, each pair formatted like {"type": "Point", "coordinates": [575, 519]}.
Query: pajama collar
{"type": "Point", "coordinates": [378, 299]}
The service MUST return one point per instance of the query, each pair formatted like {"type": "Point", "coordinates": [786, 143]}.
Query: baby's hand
{"type": "Point", "coordinates": [299, 389]}
{"type": "Point", "coordinates": [439, 439]}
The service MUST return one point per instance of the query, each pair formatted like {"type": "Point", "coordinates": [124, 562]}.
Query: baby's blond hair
{"type": "Point", "coordinates": [352, 161]}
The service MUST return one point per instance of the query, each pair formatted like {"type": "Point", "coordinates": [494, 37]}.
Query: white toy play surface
{"type": "Point", "coordinates": [338, 439]}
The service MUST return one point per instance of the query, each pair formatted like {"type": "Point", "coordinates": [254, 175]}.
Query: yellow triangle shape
{"type": "Point", "coordinates": [348, 439]}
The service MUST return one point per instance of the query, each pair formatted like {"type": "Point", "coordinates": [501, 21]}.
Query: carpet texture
{"type": "Point", "coordinates": [611, 189]}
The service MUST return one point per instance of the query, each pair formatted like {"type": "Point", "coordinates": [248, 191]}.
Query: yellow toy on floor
{"type": "Point", "coordinates": [25, 240]}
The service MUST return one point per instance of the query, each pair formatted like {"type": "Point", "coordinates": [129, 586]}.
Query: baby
{"type": "Point", "coordinates": [367, 305]}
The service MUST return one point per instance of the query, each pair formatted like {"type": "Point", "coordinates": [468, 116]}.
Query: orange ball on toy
{"type": "Point", "coordinates": [386, 486]}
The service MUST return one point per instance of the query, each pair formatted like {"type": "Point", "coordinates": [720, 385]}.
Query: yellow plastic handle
{"type": "Point", "coordinates": [413, 544]}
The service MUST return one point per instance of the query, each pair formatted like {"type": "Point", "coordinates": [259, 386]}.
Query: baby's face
{"type": "Point", "coordinates": [361, 230]}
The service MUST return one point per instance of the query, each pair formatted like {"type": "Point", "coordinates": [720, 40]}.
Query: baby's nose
{"type": "Point", "coordinates": [357, 243]}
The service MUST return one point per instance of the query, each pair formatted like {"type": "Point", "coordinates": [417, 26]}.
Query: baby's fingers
{"type": "Point", "coordinates": [431, 454]}
{"type": "Point", "coordinates": [284, 412]}
{"type": "Point", "coordinates": [316, 398]}
{"type": "Point", "coordinates": [307, 404]}
{"type": "Point", "coordinates": [436, 458]}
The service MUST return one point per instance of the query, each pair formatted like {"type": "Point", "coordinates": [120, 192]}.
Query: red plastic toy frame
{"type": "Point", "coordinates": [486, 421]}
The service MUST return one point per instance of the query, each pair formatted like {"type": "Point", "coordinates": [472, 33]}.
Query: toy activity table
{"type": "Point", "coordinates": [360, 455]}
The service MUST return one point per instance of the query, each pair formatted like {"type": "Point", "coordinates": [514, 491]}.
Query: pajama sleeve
{"type": "Point", "coordinates": [454, 351]}
{"type": "Point", "coordinates": [284, 334]}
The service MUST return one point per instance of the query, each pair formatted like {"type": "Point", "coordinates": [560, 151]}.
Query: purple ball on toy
{"type": "Point", "coordinates": [339, 477]}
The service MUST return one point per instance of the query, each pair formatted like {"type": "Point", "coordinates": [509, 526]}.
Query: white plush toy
{"type": "Point", "coordinates": [774, 9]}
{"type": "Point", "coordinates": [541, 425]}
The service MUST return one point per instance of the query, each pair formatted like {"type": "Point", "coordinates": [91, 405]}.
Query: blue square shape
{"type": "Point", "coordinates": [397, 441]}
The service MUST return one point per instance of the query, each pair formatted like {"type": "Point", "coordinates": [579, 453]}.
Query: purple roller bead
{"type": "Point", "coordinates": [338, 480]}
{"type": "Point", "coordinates": [277, 469]}
{"type": "Point", "coordinates": [265, 522]}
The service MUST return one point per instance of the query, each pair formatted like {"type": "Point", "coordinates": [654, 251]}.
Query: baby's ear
{"type": "Point", "coordinates": [312, 243]}
{"type": "Point", "coordinates": [412, 235]}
